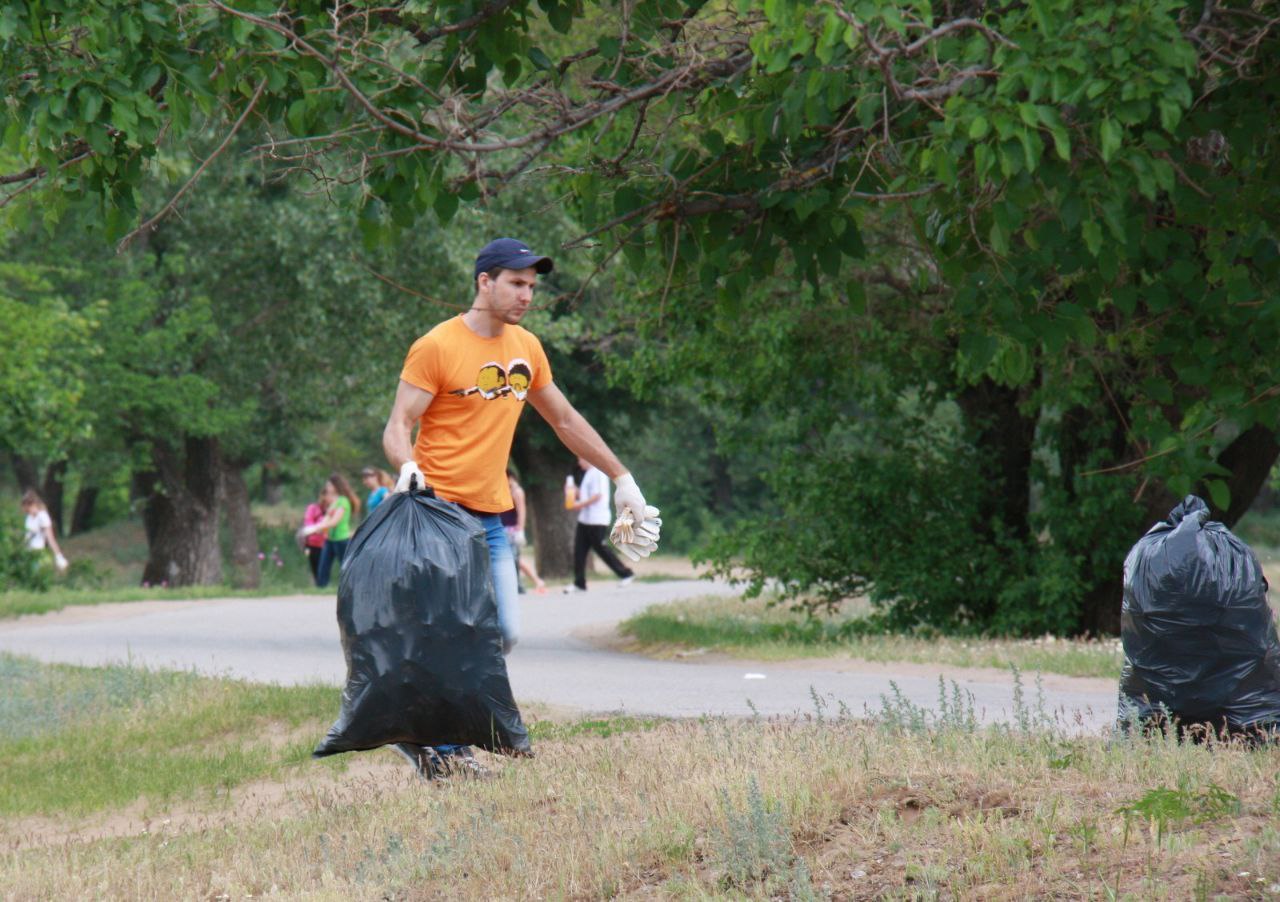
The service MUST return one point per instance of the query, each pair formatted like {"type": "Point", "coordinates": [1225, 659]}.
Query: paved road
{"type": "Point", "coordinates": [295, 640]}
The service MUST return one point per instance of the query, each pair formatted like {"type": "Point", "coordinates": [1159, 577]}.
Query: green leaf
{"type": "Point", "coordinates": [446, 204]}
{"type": "Point", "coordinates": [979, 128]}
{"type": "Point", "coordinates": [1220, 493]}
{"type": "Point", "coordinates": [1092, 234]}
{"type": "Point", "coordinates": [1110, 137]}
{"type": "Point", "coordinates": [90, 103]}
{"type": "Point", "coordinates": [540, 60]}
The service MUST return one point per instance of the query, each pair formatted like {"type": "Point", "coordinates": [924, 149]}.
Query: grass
{"type": "Point", "coordinates": [751, 629]}
{"type": "Point", "coordinates": [78, 740]}
{"type": "Point", "coordinates": [802, 809]}
{"type": "Point", "coordinates": [16, 604]}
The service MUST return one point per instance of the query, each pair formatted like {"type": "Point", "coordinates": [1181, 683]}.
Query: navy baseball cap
{"type": "Point", "coordinates": [510, 254]}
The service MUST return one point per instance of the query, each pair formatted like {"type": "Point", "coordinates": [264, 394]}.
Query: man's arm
{"type": "Point", "coordinates": [397, 438]}
{"type": "Point", "coordinates": [573, 429]}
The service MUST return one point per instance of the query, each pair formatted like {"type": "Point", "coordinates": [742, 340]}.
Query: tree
{"type": "Point", "coordinates": [1085, 194]}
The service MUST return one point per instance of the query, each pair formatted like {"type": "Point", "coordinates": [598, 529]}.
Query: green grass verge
{"type": "Point", "coordinates": [77, 740]}
{"type": "Point", "coordinates": [16, 604]}
{"type": "Point", "coordinates": [751, 629]}
{"type": "Point", "coordinates": [81, 739]}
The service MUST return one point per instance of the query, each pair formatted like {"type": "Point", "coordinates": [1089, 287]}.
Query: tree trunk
{"type": "Point", "coordinates": [272, 489]}
{"type": "Point", "coordinates": [82, 512]}
{"type": "Point", "coordinates": [1005, 439]}
{"type": "Point", "coordinates": [246, 570]}
{"type": "Point", "coordinates": [52, 492]}
{"type": "Point", "coordinates": [1250, 459]}
{"type": "Point", "coordinates": [550, 524]}
{"type": "Point", "coordinates": [24, 468]}
{"type": "Point", "coordinates": [181, 514]}
{"type": "Point", "coordinates": [1085, 432]}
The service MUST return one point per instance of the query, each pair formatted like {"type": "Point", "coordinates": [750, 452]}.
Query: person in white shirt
{"type": "Point", "coordinates": [39, 528]}
{"type": "Point", "coordinates": [593, 528]}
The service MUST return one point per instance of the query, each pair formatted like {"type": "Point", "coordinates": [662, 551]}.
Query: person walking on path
{"type": "Point", "coordinates": [38, 528]}
{"type": "Point", "coordinates": [340, 513]}
{"type": "Point", "coordinates": [513, 521]}
{"type": "Point", "coordinates": [464, 385]}
{"type": "Point", "coordinates": [313, 543]}
{"type": "Point", "coordinates": [379, 483]}
{"type": "Point", "coordinates": [593, 526]}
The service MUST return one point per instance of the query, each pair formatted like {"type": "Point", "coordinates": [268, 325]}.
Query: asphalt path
{"type": "Point", "coordinates": [560, 659]}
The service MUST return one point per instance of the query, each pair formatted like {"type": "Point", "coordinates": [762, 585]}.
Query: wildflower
{"type": "Point", "coordinates": [146, 585]}
{"type": "Point", "coordinates": [261, 556]}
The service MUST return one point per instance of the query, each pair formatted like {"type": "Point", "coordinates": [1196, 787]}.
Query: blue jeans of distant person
{"type": "Point", "coordinates": [332, 551]}
{"type": "Point", "coordinates": [502, 569]}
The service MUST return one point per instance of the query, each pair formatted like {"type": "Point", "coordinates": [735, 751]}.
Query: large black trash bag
{"type": "Point", "coordinates": [419, 625]}
{"type": "Point", "coordinates": [1199, 639]}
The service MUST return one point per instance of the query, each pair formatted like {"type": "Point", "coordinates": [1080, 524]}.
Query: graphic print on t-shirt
{"type": "Point", "coordinates": [495, 381]}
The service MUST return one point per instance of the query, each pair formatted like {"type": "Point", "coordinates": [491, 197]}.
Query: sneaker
{"type": "Point", "coordinates": [627, 580]}
{"type": "Point", "coordinates": [425, 760]}
{"type": "Point", "coordinates": [571, 589]}
{"type": "Point", "coordinates": [465, 765]}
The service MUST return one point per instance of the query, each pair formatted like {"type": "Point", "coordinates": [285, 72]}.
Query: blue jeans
{"type": "Point", "coordinates": [506, 587]}
{"type": "Point", "coordinates": [332, 551]}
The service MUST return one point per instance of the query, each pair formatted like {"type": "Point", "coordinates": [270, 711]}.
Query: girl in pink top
{"type": "Point", "coordinates": [314, 543]}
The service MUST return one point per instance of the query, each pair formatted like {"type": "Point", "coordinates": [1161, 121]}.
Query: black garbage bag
{"type": "Point", "coordinates": [1199, 639]}
{"type": "Point", "coordinates": [419, 625]}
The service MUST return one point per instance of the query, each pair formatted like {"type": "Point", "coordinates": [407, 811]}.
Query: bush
{"type": "Point", "coordinates": [22, 568]}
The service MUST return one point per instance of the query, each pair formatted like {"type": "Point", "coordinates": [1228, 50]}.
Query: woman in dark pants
{"type": "Point", "coordinates": [593, 529]}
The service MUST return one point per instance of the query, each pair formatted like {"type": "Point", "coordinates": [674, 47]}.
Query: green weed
{"type": "Point", "coordinates": [1164, 808]}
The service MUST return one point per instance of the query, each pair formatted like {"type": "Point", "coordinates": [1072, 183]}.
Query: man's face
{"type": "Point", "coordinates": [509, 295]}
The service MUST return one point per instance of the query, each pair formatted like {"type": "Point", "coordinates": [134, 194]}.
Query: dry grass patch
{"type": "Point", "coordinates": [800, 809]}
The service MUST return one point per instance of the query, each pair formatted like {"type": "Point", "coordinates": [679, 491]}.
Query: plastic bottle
{"type": "Point", "coordinates": [570, 493]}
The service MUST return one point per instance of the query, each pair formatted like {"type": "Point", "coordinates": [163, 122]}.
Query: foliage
{"type": "Point", "coordinates": [46, 350]}
{"type": "Point", "coordinates": [1061, 216]}
{"type": "Point", "coordinates": [1164, 807]}
{"type": "Point", "coordinates": [20, 567]}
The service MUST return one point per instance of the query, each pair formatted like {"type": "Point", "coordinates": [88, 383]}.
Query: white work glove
{"type": "Point", "coordinates": [309, 530]}
{"type": "Point", "coordinates": [636, 531]}
{"type": "Point", "coordinates": [60, 561]}
{"type": "Point", "coordinates": [518, 537]}
{"type": "Point", "coordinates": [637, 540]}
{"type": "Point", "coordinates": [408, 470]}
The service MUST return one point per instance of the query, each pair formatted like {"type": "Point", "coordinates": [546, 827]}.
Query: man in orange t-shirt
{"type": "Point", "coordinates": [465, 384]}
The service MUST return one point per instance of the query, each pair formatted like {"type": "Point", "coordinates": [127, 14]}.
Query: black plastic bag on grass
{"type": "Point", "coordinates": [1199, 639]}
{"type": "Point", "coordinates": [419, 624]}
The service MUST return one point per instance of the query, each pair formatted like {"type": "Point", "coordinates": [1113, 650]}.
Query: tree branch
{"type": "Point", "coordinates": [167, 208]}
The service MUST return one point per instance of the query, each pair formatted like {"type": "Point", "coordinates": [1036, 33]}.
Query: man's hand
{"type": "Point", "coordinates": [627, 497]}
{"type": "Point", "coordinates": [408, 471]}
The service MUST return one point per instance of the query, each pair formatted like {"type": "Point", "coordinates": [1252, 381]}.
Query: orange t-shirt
{"type": "Point", "coordinates": [480, 384]}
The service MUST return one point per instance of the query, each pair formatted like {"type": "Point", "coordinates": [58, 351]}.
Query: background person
{"type": "Point", "coordinates": [379, 483]}
{"type": "Point", "coordinates": [593, 528]}
{"type": "Point", "coordinates": [341, 507]}
{"type": "Point", "coordinates": [313, 543]}
{"type": "Point", "coordinates": [38, 528]}
{"type": "Point", "coordinates": [513, 521]}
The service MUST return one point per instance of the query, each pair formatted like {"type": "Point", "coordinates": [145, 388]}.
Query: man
{"type": "Point", "coordinates": [593, 525]}
{"type": "Point", "coordinates": [465, 384]}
